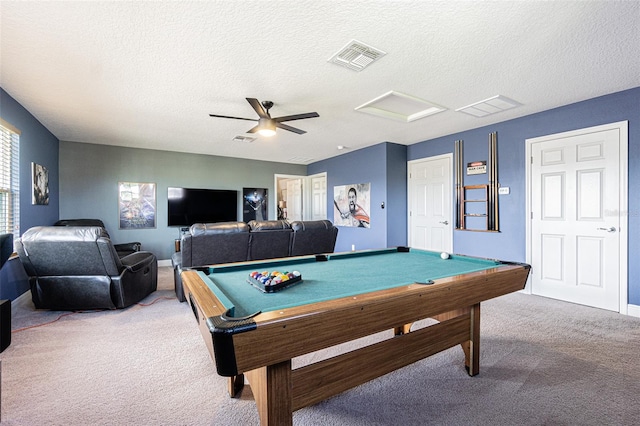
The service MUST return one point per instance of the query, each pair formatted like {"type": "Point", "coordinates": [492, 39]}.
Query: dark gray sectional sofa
{"type": "Point", "coordinates": [227, 242]}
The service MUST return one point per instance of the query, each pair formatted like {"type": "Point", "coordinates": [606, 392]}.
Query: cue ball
{"type": "Point", "coordinates": [444, 255]}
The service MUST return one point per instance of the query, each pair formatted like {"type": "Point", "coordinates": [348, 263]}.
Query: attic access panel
{"type": "Point", "coordinates": [401, 107]}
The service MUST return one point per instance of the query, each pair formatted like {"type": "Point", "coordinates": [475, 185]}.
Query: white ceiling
{"type": "Point", "coordinates": [147, 74]}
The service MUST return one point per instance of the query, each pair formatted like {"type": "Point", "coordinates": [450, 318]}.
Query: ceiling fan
{"type": "Point", "coordinates": [266, 124]}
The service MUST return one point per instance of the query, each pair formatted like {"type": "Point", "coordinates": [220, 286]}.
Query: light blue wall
{"type": "Point", "coordinates": [89, 176]}
{"type": "Point", "coordinates": [510, 242]}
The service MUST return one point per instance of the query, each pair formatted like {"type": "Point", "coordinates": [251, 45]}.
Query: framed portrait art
{"type": "Point", "coordinates": [352, 205]}
{"type": "Point", "coordinates": [254, 204]}
{"type": "Point", "coordinates": [40, 192]}
{"type": "Point", "coordinates": [137, 205]}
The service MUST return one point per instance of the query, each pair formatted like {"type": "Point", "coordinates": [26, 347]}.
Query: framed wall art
{"type": "Point", "coordinates": [352, 205]}
{"type": "Point", "coordinates": [254, 204]}
{"type": "Point", "coordinates": [137, 205]}
{"type": "Point", "coordinates": [40, 192]}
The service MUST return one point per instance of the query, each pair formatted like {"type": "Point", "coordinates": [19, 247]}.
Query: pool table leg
{"type": "Point", "coordinates": [271, 388]}
{"type": "Point", "coordinates": [235, 385]}
{"type": "Point", "coordinates": [471, 347]}
{"type": "Point", "coordinates": [403, 329]}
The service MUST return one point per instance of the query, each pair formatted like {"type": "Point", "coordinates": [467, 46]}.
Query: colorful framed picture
{"type": "Point", "coordinates": [137, 205]}
{"type": "Point", "coordinates": [254, 204]}
{"type": "Point", "coordinates": [352, 205]}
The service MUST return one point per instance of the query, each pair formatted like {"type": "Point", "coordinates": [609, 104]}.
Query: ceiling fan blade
{"type": "Point", "coordinates": [254, 129]}
{"type": "Point", "coordinates": [296, 117]}
{"type": "Point", "coordinates": [289, 128]}
{"type": "Point", "coordinates": [258, 107]}
{"type": "Point", "coordinates": [235, 118]}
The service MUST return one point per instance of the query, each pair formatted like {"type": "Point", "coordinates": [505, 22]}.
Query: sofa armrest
{"type": "Point", "coordinates": [176, 259]}
{"type": "Point", "coordinates": [138, 260]}
{"type": "Point", "coordinates": [132, 247]}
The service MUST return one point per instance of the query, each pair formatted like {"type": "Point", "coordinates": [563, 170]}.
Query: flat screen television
{"type": "Point", "coordinates": [187, 206]}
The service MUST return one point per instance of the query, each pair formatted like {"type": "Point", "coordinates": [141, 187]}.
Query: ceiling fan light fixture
{"type": "Point", "coordinates": [267, 127]}
{"type": "Point", "coordinates": [266, 124]}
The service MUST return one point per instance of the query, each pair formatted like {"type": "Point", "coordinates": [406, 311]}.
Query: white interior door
{"type": "Point", "coordinates": [430, 207]}
{"type": "Point", "coordinates": [318, 197]}
{"type": "Point", "coordinates": [576, 219]}
{"type": "Point", "coordinates": [294, 199]}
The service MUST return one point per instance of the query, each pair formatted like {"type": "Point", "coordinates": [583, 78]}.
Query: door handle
{"type": "Point", "coordinates": [611, 229]}
{"type": "Point", "coordinates": [444, 222]}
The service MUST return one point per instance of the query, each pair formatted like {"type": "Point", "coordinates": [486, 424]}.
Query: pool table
{"type": "Point", "coordinates": [342, 297]}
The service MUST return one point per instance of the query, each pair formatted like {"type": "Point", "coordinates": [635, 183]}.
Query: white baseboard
{"type": "Point", "coordinates": [165, 262]}
{"type": "Point", "coordinates": [633, 310]}
{"type": "Point", "coordinates": [23, 299]}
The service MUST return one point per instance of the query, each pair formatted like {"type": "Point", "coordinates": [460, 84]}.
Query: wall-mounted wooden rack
{"type": "Point", "coordinates": [475, 194]}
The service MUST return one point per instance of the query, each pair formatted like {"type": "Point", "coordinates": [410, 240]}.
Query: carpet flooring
{"type": "Point", "coordinates": [543, 362]}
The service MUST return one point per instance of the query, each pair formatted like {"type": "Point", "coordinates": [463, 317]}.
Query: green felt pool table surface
{"type": "Point", "coordinates": [341, 275]}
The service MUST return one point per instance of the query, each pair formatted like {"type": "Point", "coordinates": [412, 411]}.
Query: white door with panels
{"type": "Point", "coordinates": [430, 205]}
{"type": "Point", "coordinates": [318, 197]}
{"type": "Point", "coordinates": [577, 224]}
{"type": "Point", "coordinates": [294, 199]}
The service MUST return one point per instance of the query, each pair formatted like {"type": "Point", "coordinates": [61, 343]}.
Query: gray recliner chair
{"type": "Point", "coordinates": [77, 267]}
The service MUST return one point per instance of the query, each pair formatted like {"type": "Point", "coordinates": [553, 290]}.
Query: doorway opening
{"type": "Point", "coordinates": [300, 197]}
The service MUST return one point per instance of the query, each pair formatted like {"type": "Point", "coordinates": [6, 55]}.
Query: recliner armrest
{"type": "Point", "coordinates": [133, 247]}
{"type": "Point", "coordinates": [138, 260]}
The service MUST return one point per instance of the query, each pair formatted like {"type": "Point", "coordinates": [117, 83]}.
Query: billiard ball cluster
{"type": "Point", "coordinates": [274, 278]}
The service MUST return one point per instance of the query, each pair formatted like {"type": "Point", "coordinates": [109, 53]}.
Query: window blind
{"type": "Point", "coordinates": [9, 179]}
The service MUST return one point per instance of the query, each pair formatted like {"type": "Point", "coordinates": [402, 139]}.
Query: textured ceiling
{"type": "Point", "coordinates": [147, 74]}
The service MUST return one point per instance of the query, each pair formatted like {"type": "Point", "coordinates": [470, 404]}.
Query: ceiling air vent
{"type": "Point", "coordinates": [489, 106]}
{"type": "Point", "coordinates": [246, 139]}
{"type": "Point", "coordinates": [300, 160]}
{"type": "Point", "coordinates": [356, 55]}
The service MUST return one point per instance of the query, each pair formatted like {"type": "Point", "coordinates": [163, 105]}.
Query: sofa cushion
{"type": "Point", "coordinates": [68, 251]}
{"type": "Point", "coordinates": [269, 225]}
{"type": "Point", "coordinates": [313, 237]}
{"type": "Point", "coordinates": [211, 243]}
{"type": "Point", "coordinates": [270, 239]}
{"type": "Point", "coordinates": [218, 228]}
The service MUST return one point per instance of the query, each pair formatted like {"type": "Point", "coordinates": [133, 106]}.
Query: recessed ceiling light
{"type": "Point", "coordinates": [401, 107]}
{"type": "Point", "coordinates": [489, 106]}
